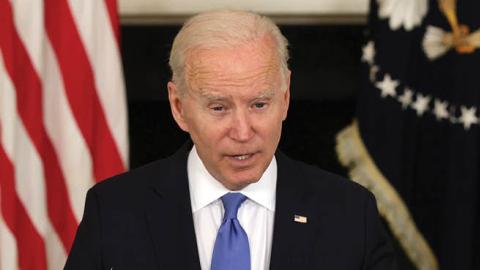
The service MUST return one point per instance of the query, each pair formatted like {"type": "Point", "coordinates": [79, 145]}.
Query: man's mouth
{"type": "Point", "coordinates": [242, 157]}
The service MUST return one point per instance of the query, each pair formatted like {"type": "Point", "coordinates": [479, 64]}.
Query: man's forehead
{"type": "Point", "coordinates": [213, 80]}
{"type": "Point", "coordinates": [227, 59]}
{"type": "Point", "coordinates": [249, 70]}
{"type": "Point", "coordinates": [261, 49]}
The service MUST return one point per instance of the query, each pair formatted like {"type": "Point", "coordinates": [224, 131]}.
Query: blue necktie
{"type": "Point", "coordinates": [231, 251]}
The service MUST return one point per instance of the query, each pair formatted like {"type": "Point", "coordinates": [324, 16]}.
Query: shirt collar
{"type": "Point", "coordinates": [205, 189]}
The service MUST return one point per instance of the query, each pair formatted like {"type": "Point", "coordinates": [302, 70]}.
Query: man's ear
{"type": "Point", "coordinates": [286, 95]}
{"type": "Point", "coordinates": [177, 105]}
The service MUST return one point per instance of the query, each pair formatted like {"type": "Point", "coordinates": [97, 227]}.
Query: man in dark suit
{"type": "Point", "coordinates": [230, 200]}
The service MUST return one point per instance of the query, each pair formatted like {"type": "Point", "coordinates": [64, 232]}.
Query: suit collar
{"type": "Point", "coordinates": [292, 241]}
{"type": "Point", "coordinates": [169, 214]}
{"type": "Point", "coordinates": [173, 177]}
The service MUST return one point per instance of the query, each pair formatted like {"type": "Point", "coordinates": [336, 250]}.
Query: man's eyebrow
{"type": "Point", "coordinates": [266, 94]}
{"type": "Point", "coordinates": [211, 96]}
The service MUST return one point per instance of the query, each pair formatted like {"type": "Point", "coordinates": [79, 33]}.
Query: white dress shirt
{"type": "Point", "coordinates": [256, 214]}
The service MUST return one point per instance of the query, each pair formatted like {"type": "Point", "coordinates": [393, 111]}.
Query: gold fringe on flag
{"type": "Point", "coordinates": [352, 154]}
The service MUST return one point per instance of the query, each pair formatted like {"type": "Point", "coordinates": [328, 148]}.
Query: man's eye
{"type": "Point", "coordinates": [260, 105]}
{"type": "Point", "coordinates": [217, 108]}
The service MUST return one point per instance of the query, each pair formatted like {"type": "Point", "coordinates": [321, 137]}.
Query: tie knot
{"type": "Point", "coordinates": [231, 202]}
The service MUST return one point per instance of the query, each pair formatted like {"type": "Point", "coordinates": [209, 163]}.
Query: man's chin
{"type": "Point", "coordinates": [240, 182]}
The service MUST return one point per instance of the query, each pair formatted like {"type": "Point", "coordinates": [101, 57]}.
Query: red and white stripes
{"type": "Point", "coordinates": [63, 123]}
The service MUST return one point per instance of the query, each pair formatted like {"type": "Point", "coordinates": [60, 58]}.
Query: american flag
{"type": "Point", "coordinates": [63, 123]}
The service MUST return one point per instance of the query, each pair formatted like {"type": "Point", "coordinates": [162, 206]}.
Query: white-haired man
{"type": "Point", "coordinates": [230, 200]}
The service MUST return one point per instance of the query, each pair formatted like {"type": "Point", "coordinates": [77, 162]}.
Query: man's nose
{"type": "Point", "coordinates": [241, 129]}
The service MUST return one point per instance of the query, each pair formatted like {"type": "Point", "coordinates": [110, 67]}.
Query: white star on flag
{"type": "Point", "coordinates": [387, 86]}
{"type": "Point", "coordinates": [368, 52]}
{"type": "Point", "coordinates": [421, 104]}
{"type": "Point", "coordinates": [406, 13]}
{"type": "Point", "coordinates": [440, 110]}
{"type": "Point", "coordinates": [468, 117]}
{"type": "Point", "coordinates": [406, 98]}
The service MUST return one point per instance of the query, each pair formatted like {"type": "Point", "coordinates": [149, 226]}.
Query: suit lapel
{"type": "Point", "coordinates": [292, 243]}
{"type": "Point", "coordinates": [169, 215]}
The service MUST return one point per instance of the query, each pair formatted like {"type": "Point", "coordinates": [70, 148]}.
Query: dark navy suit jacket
{"type": "Point", "coordinates": [142, 219]}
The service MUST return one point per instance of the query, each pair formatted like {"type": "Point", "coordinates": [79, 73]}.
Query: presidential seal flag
{"type": "Point", "coordinates": [62, 122]}
{"type": "Point", "coordinates": [415, 140]}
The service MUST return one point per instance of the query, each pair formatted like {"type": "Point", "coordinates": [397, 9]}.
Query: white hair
{"type": "Point", "coordinates": [223, 29]}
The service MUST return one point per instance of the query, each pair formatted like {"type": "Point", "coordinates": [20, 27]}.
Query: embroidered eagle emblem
{"type": "Point", "coordinates": [438, 41]}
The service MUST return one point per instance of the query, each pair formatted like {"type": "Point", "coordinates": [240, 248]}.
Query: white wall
{"type": "Point", "coordinates": [286, 8]}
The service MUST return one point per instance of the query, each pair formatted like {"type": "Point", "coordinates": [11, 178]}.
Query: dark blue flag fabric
{"type": "Point", "coordinates": [415, 140]}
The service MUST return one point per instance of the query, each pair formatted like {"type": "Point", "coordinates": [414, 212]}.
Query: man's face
{"type": "Point", "coordinates": [233, 109]}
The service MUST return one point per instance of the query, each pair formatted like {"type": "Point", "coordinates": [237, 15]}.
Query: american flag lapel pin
{"type": "Point", "coordinates": [299, 219]}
